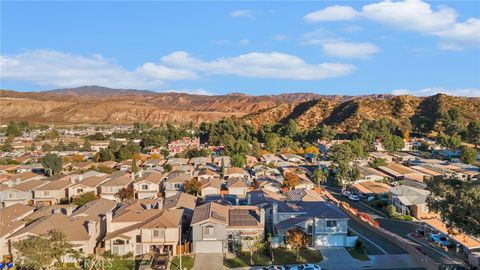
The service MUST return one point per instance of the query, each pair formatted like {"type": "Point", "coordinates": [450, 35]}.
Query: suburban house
{"type": "Point", "coordinates": [109, 188]}
{"type": "Point", "coordinates": [175, 182]}
{"type": "Point", "coordinates": [16, 179]}
{"type": "Point", "coordinates": [81, 233]}
{"type": "Point", "coordinates": [183, 201]}
{"type": "Point", "coordinates": [211, 187]}
{"type": "Point", "coordinates": [222, 160]}
{"type": "Point", "coordinates": [235, 172]}
{"type": "Point", "coordinates": [153, 163]}
{"type": "Point", "coordinates": [410, 201]}
{"type": "Point", "coordinates": [89, 184]}
{"type": "Point", "coordinates": [206, 173]}
{"type": "Point", "coordinates": [148, 186]}
{"type": "Point", "coordinates": [217, 228]}
{"type": "Point", "coordinates": [21, 193]}
{"type": "Point", "coordinates": [200, 161]}
{"type": "Point", "coordinates": [306, 209]}
{"type": "Point", "coordinates": [52, 192]}
{"type": "Point", "coordinates": [154, 230]}
{"type": "Point", "coordinates": [238, 186]}
{"type": "Point", "coordinates": [11, 221]}
{"type": "Point", "coordinates": [372, 174]}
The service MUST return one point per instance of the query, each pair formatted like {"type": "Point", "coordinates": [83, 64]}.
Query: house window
{"type": "Point", "coordinates": [11, 195]}
{"type": "Point", "coordinates": [178, 186]}
{"type": "Point", "coordinates": [46, 193]}
{"type": "Point", "coordinates": [158, 233]}
{"type": "Point", "coordinates": [209, 231]}
{"type": "Point", "coordinates": [144, 187]}
{"type": "Point", "coordinates": [425, 209]}
{"type": "Point", "coordinates": [309, 229]}
{"type": "Point", "coordinates": [331, 223]}
{"type": "Point", "coordinates": [118, 242]}
{"type": "Point", "coordinates": [79, 190]}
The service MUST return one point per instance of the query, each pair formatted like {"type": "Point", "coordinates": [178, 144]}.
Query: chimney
{"type": "Point", "coordinates": [91, 227]}
{"type": "Point", "coordinates": [274, 212]}
{"type": "Point", "coordinates": [262, 215]}
{"type": "Point", "coordinates": [108, 221]}
{"type": "Point", "coordinates": [160, 203]}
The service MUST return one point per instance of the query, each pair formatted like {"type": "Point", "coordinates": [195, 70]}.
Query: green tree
{"type": "Point", "coordinates": [40, 251]}
{"type": "Point", "coordinates": [271, 142]}
{"type": "Point", "coordinates": [13, 130]}
{"type": "Point", "coordinates": [457, 203]}
{"type": "Point", "coordinates": [84, 198]}
{"type": "Point", "coordinates": [341, 153]}
{"type": "Point", "coordinates": [52, 163]}
{"type": "Point", "coordinates": [238, 160]}
{"type": "Point", "coordinates": [87, 146]}
{"type": "Point", "coordinates": [469, 155]}
{"type": "Point", "coordinates": [450, 142]}
{"type": "Point", "coordinates": [320, 176]}
{"type": "Point", "coordinates": [473, 132]}
{"type": "Point", "coordinates": [377, 162]}
{"type": "Point", "coordinates": [393, 143]}
{"type": "Point", "coordinates": [253, 244]}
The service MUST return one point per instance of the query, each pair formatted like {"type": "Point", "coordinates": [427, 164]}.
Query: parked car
{"type": "Point", "coordinates": [420, 231]}
{"type": "Point", "coordinates": [274, 267]}
{"type": "Point", "coordinates": [346, 193]}
{"type": "Point", "coordinates": [308, 266]}
{"type": "Point", "coordinates": [441, 239]}
{"type": "Point", "coordinates": [353, 198]}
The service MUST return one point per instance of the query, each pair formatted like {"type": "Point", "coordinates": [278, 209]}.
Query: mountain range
{"type": "Point", "coordinates": [101, 105]}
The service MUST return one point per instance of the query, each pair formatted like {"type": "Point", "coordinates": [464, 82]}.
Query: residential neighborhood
{"type": "Point", "coordinates": [197, 204]}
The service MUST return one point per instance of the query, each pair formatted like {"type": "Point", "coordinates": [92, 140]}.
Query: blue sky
{"type": "Point", "coordinates": [259, 48]}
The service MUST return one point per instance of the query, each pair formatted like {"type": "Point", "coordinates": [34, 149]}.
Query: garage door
{"type": "Point", "coordinates": [329, 241]}
{"type": "Point", "coordinates": [208, 247]}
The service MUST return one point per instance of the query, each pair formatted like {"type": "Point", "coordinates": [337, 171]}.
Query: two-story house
{"type": "Point", "coordinates": [110, 188]}
{"type": "Point", "coordinates": [148, 185]}
{"type": "Point", "coordinates": [175, 182]}
{"type": "Point", "coordinates": [52, 192]}
{"type": "Point", "coordinates": [89, 184]}
{"type": "Point", "coordinates": [218, 228]}
{"type": "Point", "coordinates": [321, 219]}
{"type": "Point", "coordinates": [21, 193]}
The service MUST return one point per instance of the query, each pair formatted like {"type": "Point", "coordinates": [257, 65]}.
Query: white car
{"type": "Point", "coordinates": [274, 267]}
{"type": "Point", "coordinates": [346, 193]}
{"type": "Point", "coordinates": [353, 198]}
{"type": "Point", "coordinates": [308, 266]}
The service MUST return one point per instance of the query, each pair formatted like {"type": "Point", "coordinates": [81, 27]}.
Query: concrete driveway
{"type": "Point", "coordinates": [208, 261]}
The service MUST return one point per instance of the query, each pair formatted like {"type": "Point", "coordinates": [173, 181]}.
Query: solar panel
{"type": "Point", "coordinates": [243, 217]}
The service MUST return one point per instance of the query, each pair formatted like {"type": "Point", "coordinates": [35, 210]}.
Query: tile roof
{"type": "Point", "coordinates": [10, 217]}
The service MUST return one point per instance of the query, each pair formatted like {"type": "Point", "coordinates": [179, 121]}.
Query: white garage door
{"type": "Point", "coordinates": [208, 247]}
{"type": "Point", "coordinates": [329, 241]}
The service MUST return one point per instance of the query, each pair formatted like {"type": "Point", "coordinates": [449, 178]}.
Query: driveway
{"type": "Point", "coordinates": [208, 261]}
{"type": "Point", "coordinates": [339, 258]}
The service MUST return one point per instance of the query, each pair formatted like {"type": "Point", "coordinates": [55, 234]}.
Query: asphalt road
{"type": "Point", "coordinates": [399, 227]}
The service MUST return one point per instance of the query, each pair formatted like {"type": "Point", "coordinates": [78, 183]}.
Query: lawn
{"type": "Point", "coordinates": [358, 253]}
{"type": "Point", "coordinates": [187, 262]}
{"type": "Point", "coordinates": [282, 256]}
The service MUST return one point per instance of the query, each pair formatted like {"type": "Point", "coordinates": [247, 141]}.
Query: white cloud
{"type": "Point", "coordinates": [335, 47]}
{"type": "Point", "coordinates": [466, 92]}
{"type": "Point", "coordinates": [332, 13]}
{"type": "Point", "coordinates": [197, 91]}
{"type": "Point", "coordinates": [260, 65]}
{"type": "Point", "coordinates": [349, 49]}
{"type": "Point", "coordinates": [58, 69]}
{"type": "Point", "coordinates": [415, 16]}
{"type": "Point", "coordinates": [410, 15]}
{"type": "Point", "coordinates": [54, 68]}
{"type": "Point", "coordinates": [243, 13]}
